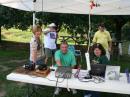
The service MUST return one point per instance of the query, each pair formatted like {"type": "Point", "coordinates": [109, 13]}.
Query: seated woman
{"type": "Point", "coordinates": [98, 56]}
{"type": "Point", "coordinates": [35, 45]}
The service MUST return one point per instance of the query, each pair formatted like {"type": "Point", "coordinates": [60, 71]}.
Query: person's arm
{"type": "Point", "coordinates": [57, 58]}
{"type": "Point", "coordinates": [58, 63]}
{"type": "Point", "coordinates": [33, 48]}
{"type": "Point", "coordinates": [34, 56]}
{"type": "Point", "coordinates": [109, 42]}
{"type": "Point", "coordinates": [104, 60]}
{"type": "Point", "coordinates": [95, 38]}
{"type": "Point", "coordinates": [46, 31]}
{"type": "Point", "coordinates": [110, 46]}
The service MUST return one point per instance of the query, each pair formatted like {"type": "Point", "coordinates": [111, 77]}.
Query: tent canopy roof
{"type": "Point", "coordinates": [107, 7]}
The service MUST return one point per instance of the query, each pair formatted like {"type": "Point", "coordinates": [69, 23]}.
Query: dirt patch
{"type": "Point", "coordinates": [17, 61]}
{"type": "Point", "coordinates": [7, 33]}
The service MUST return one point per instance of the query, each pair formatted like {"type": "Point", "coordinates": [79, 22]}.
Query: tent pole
{"type": "Point", "coordinates": [34, 15]}
{"type": "Point", "coordinates": [89, 30]}
{"type": "Point", "coordinates": [42, 51]}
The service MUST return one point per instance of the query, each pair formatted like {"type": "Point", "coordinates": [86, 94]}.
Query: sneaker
{"type": "Point", "coordinates": [74, 91]}
{"type": "Point", "coordinates": [57, 91]}
{"type": "Point", "coordinates": [88, 95]}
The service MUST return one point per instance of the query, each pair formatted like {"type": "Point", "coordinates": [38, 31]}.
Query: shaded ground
{"type": "Point", "coordinates": [2, 93]}
{"type": "Point", "coordinates": [13, 58]}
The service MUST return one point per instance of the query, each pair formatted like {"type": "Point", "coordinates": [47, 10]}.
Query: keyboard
{"type": "Point", "coordinates": [63, 72]}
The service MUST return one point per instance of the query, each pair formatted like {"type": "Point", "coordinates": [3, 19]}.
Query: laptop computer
{"type": "Point", "coordinates": [98, 70]}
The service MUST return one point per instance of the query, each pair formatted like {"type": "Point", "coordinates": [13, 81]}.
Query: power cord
{"type": "Point", "coordinates": [64, 76]}
{"type": "Point", "coordinates": [95, 79]}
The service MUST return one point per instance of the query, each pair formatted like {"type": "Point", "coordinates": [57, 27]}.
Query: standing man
{"type": "Point", "coordinates": [103, 37]}
{"type": "Point", "coordinates": [64, 57]}
{"type": "Point", "coordinates": [50, 37]}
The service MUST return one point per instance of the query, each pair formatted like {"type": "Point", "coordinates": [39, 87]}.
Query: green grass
{"type": "Point", "coordinates": [15, 53]}
{"type": "Point", "coordinates": [17, 35]}
{"type": "Point", "coordinates": [15, 89]}
{"type": "Point", "coordinates": [12, 58]}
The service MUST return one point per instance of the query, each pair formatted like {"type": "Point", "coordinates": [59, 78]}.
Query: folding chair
{"type": "Point", "coordinates": [77, 53]}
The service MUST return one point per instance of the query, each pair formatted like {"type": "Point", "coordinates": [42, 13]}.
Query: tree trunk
{"type": "Point", "coordinates": [118, 31]}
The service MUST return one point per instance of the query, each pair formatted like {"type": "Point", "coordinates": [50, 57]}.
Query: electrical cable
{"type": "Point", "coordinates": [95, 79]}
{"type": "Point", "coordinates": [64, 76]}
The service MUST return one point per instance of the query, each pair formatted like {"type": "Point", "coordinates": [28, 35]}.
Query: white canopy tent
{"type": "Point", "coordinates": [107, 7]}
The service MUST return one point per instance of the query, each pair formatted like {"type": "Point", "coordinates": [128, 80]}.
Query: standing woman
{"type": "Point", "coordinates": [35, 45]}
{"type": "Point", "coordinates": [98, 56]}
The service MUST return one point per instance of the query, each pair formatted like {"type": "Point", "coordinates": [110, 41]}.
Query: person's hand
{"type": "Point", "coordinates": [59, 65]}
{"type": "Point", "coordinates": [95, 62]}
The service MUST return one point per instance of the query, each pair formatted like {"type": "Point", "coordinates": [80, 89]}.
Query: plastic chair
{"type": "Point", "coordinates": [77, 53]}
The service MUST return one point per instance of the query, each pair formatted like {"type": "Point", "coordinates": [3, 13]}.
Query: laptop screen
{"type": "Point", "coordinates": [98, 70]}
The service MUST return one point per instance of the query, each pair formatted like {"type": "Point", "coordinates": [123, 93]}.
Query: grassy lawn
{"type": "Point", "coordinates": [11, 59]}
{"type": "Point", "coordinates": [16, 35]}
{"type": "Point", "coordinates": [23, 36]}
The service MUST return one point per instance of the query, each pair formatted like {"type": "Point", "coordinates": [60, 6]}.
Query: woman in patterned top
{"type": "Point", "coordinates": [35, 44]}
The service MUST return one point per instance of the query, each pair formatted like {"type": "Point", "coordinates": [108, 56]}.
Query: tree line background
{"type": "Point", "coordinates": [74, 23]}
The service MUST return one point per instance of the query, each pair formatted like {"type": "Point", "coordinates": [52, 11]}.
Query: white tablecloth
{"type": "Point", "coordinates": [121, 86]}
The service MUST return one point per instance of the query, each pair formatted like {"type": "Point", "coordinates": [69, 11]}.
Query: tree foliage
{"type": "Point", "coordinates": [126, 31]}
{"type": "Point", "coordinates": [74, 23]}
{"type": "Point", "coordinates": [15, 18]}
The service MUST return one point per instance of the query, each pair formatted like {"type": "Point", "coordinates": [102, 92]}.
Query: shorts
{"type": "Point", "coordinates": [49, 52]}
{"type": "Point", "coordinates": [39, 61]}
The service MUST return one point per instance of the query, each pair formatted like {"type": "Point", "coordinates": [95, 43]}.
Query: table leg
{"type": "Point", "coordinates": [28, 90]}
